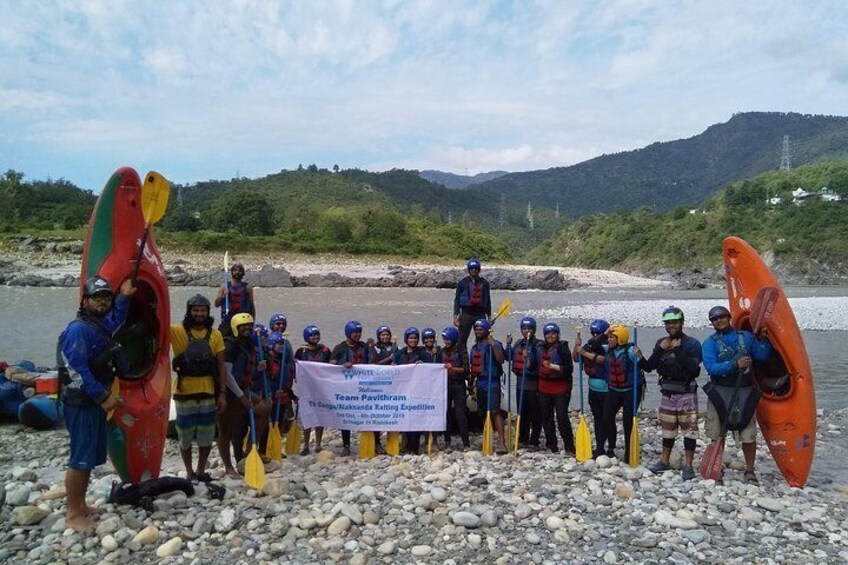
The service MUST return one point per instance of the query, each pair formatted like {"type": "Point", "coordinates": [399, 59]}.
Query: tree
{"type": "Point", "coordinates": [335, 168]}
{"type": "Point", "coordinates": [242, 211]}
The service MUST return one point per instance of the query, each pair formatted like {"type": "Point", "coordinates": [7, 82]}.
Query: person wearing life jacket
{"type": "Point", "coordinates": [312, 350]}
{"type": "Point", "coordinates": [89, 361]}
{"type": "Point", "coordinates": [383, 350]}
{"type": "Point", "coordinates": [486, 359]}
{"type": "Point", "coordinates": [677, 360]}
{"type": "Point", "coordinates": [200, 392]}
{"type": "Point", "coordinates": [235, 297]}
{"type": "Point", "coordinates": [728, 358]}
{"type": "Point", "coordinates": [457, 367]}
{"type": "Point", "coordinates": [598, 387]}
{"type": "Point", "coordinates": [244, 390]}
{"type": "Point", "coordinates": [620, 360]}
{"type": "Point", "coordinates": [352, 351]}
{"type": "Point", "coordinates": [411, 354]}
{"type": "Point", "coordinates": [556, 373]}
{"type": "Point", "coordinates": [428, 338]}
{"type": "Point", "coordinates": [472, 301]}
{"type": "Point", "coordinates": [279, 350]}
{"type": "Point", "coordinates": [525, 367]}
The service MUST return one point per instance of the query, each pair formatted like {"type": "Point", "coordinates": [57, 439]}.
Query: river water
{"type": "Point", "coordinates": [34, 317]}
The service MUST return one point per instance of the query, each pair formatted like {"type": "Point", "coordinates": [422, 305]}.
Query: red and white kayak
{"type": "Point", "coordinates": [136, 432]}
{"type": "Point", "coordinates": [787, 410]}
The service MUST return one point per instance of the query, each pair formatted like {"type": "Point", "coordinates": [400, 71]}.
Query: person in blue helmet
{"type": "Point", "coordinates": [598, 386]}
{"type": "Point", "coordinates": [556, 370]}
{"type": "Point", "coordinates": [472, 301]}
{"type": "Point", "coordinates": [525, 367]}
{"type": "Point", "coordinates": [728, 356]}
{"type": "Point", "coordinates": [410, 354]}
{"type": "Point", "coordinates": [456, 364]}
{"type": "Point", "coordinates": [234, 297]}
{"type": "Point", "coordinates": [428, 338]}
{"type": "Point", "coordinates": [280, 359]}
{"type": "Point", "coordinates": [312, 350]}
{"type": "Point", "coordinates": [352, 351]}
{"type": "Point", "coordinates": [90, 362]}
{"type": "Point", "coordinates": [486, 360]}
{"type": "Point", "coordinates": [383, 349]}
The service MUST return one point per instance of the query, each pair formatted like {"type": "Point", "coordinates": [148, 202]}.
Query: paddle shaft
{"type": "Point", "coordinates": [580, 375]}
{"type": "Point", "coordinates": [635, 375]}
{"type": "Point", "coordinates": [261, 356]}
{"type": "Point", "coordinates": [140, 252]}
{"type": "Point", "coordinates": [281, 381]}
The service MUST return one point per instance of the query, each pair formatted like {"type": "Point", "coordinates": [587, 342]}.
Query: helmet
{"type": "Point", "coordinates": [671, 314]}
{"type": "Point", "coordinates": [240, 320]}
{"type": "Point", "coordinates": [528, 322]}
{"type": "Point", "coordinates": [412, 330]}
{"type": "Point", "coordinates": [382, 329]}
{"type": "Point", "coordinates": [483, 323]}
{"type": "Point", "coordinates": [717, 312]}
{"type": "Point", "coordinates": [621, 332]}
{"type": "Point", "coordinates": [428, 332]}
{"type": "Point", "coordinates": [95, 285]}
{"type": "Point", "coordinates": [275, 338]}
{"type": "Point", "coordinates": [277, 318]}
{"type": "Point", "coordinates": [451, 334]}
{"type": "Point", "coordinates": [310, 331]}
{"type": "Point", "coordinates": [473, 264]}
{"type": "Point", "coordinates": [599, 326]}
{"type": "Point", "coordinates": [550, 327]}
{"type": "Point", "coordinates": [198, 300]}
{"type": "Point", "coordinates": [351, 327]}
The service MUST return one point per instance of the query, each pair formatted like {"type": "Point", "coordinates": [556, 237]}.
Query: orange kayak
{"type": "Point", "coordinates": [787, 410]}
{"type": "Point", "coordinates": [136, 432]}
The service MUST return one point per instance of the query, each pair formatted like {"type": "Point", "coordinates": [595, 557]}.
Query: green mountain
{"type": "Point", "coordinates": [682, 172]}
{"type": "Point", "coordinates": [451, 180]}
{"type": "Point", "coordinates": [762, 210]}
{"type": "Point", "coordinates": [42, 204]}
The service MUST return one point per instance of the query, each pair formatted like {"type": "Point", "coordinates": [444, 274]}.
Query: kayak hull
{"type": "Point", "coordinates": [41, 412]}
{"type": "Point", "coordinates": [136, 432]}
{"type": "Point", "coordinates": [786, 414]}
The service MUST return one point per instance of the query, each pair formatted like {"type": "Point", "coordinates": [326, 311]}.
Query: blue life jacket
{"type": "Point", "coordinates": [727, 353]}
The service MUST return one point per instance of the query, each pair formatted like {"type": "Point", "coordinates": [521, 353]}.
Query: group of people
{"type": "Point", "coordinates": [225, 374]}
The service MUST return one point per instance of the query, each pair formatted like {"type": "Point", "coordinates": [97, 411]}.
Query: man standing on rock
{"type": "Point", "coordinates": [728, 357]}
{"type": "Point", "coordinates": [677, 359]}
{"type": "Point", "coordinates": [471, 302]}
{"type": "Point", "coordinates": [235, 297]}
{"type": "Point", "coordinates": [201, 378]}
{"type": "Point", "coordinates": [90, 362]}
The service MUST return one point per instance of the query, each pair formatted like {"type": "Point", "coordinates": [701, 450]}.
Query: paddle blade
{"type": "Point", "coordinates": [515, 439]}
{"type": "Point", "coordinates": [584, 441]}
{"type": "Point", "coordinates": [763, 306]}
{"type": "Point", "coordinates": [254, 470]}
{"type": "Point", "coordinates": [274, 447]}
{"type": "Point", "coordinates": [154, 197]}
{"type": "Point", "coordinates": [429, 444]}
{"type": "Point", "coordinates": [505, 309]}
{"type": "Point", "coordinates": [488, 444]}
{"type": "Point", "coordinates": [293, 439]}
{"type": "Point", "coordinates": [393, 443]}
{"type": "Point", "coordinates": [367, 445]}
{"type": "Point", "coordinates": [226, 261]}
{"type": "Point", "coordinates": [713, 460]}
{"type": "Point", "coordinates": [635, 450]}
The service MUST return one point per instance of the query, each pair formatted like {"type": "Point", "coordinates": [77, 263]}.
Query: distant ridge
{"type": "Point", "coordinates": [451, 180]}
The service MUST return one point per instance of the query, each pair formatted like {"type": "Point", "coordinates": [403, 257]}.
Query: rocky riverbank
{"type": "Point", "coordinates": [453, 507]}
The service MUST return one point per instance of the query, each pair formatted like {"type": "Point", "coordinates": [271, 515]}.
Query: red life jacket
{"type": "Point", "coordinates": [480, 365]}
{"type": "Point", "coordinates": [472, 294]}
{"type": "Point", "coordinates": [239, 299]}
{"type": "Point", "coordinates": [321, 354]}
{"type": "Point", "coordinates": [358, 354]}
{"type": "Point", "coordinates": [552, 381]}
{"type": "Point", "coordinates": [518, 359]}
{"type": "Point", "coordinates": [617, 370]}
{"type": "Point", "coordinates": [454, 357]}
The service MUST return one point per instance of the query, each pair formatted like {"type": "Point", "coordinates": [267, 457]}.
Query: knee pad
{"type": "Point", "coordinates": [689, 444]}
{"type": "Point", "coordinates": [668, 442]}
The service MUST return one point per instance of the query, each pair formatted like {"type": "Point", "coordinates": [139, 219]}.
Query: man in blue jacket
{"type": "Point", "coordinates": [728, 357]}
{"type": "Point", "coordinates": [91, 360]}
{"type": "Point", "coordinates": [471, 302]}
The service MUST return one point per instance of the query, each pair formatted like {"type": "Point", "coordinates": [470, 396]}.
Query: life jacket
{"type": "Point", "coordinates": [524, 352]}
{"type": "Point", "coordinates": [356, 354]}
{"type": "Point", "coordinates": [320, 354]}
{"type": "Point", "coordinates": [552, 381]}
{"type": "Point", "coordinates": [198, 359]}
{"type": "Point", "coordinates": [433, 354]}
{"type": "Point", "coordinates": [674, 379]}
{"type": "Point", "coordinates": [244, 348]}
{"type": "Point", "coordinates": [726, 353]}
{"type": "Point", "coordinates": [406, 357]}
{"type": "Point", "coordinates": [472, 294]}
{"type": "Point", "coordinates": [109, 364]}
{"type": "Point", "coordinates": [480, 365]}
{"type": "Point", "coordinates": [239, 300]}
{"type": "Point", "coordinates": [617, 369]}
{"type": "Point", "coordinates": [593, 345]}
{"type": "Point", "coordinates": [384, 351]}
{"type": "Point", "coordinates": [454, 357]}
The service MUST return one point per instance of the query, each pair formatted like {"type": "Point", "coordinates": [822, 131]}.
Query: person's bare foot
{"type": "Point", "coordinates": [93, 511]}
{"type": "Point", "coordinates": [232, 473]}
{"type": "Point", "coordinates": [79, 523]}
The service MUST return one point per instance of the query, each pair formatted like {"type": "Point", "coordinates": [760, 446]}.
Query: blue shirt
{"type": "Point", "coordinates": [759, 350]}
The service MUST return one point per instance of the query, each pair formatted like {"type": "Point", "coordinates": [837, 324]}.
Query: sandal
{"type": "Point", "coordinates": [751, 478]}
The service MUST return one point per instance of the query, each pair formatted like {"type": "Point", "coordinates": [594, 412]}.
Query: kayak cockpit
{"type": "Point", "coordinates": [139, 336]}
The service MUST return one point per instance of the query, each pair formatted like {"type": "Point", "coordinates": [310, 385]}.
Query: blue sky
{"type": "Point", "coordinates": [201, 90]}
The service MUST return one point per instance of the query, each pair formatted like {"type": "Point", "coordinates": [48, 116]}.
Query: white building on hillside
{"type": "Point", "coordinates": [827, 195]}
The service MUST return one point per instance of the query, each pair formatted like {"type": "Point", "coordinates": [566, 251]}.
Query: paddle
{"type": "Point", "coordinates": [429, 443]}
{"type": "Point", "coordinates": [505, 309]}
{"type": "Point", "coordinates": [520, 401]}
{"type": "Point", "coordinates": [226, 283]}
{"type": "Point", "coordinates": [154, 201]}
{"type": "Point", "coordinates": [254, 470]}
{"type": "Point", "coordinates": [260, 352]}
{"type": "Point", "coordinates": [488, 447]}
{"type": "Point", "coordinates": [635, 450]}
{"type": "Point", "coordinates": [274, 447]}
{"type": "Point", "coordinates": [584, 440]}
{"type": "Point", "coordinates": [367, 440]}
{"type": "Point", "coordinates": [509, 390]}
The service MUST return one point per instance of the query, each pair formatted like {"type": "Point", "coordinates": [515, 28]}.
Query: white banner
{"type": "Point", "coordinates": [398, 398]}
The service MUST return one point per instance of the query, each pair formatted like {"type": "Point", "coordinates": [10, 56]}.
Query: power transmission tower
{"type": "Point", "coordinates": [502, 212]}
{"type": "Point", "coordinates": [530, 216]}
{"type": "Point", "coordinates": [556, 212]}
{"type": "Point", "coordinates": [785, 157]}
{"type": "Point", "coordinates": [450, 217]}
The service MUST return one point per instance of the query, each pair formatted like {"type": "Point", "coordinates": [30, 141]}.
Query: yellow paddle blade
{"type": "Point", "coordinates": [517, 428]}
{"type": "Point", "coordinates": [584, 441]}
{"type": "Point", "coordinates": [367, 445]}
{"type": "Point", "coordinates": [505, 309]}
{"type": "Point", "coordinates": [116, 392]}
{"type": "Point", "coordinates": [488, 444]}
{"type": "Point", "coordinates": [154, 197]}
{"type": "Point", "coordinates": [274, 447]}
{"type": "Point", "coordinates": [393, 443]}
{"type": "Point", "coordinates": [254, 470]}
{"type": "Point", "coordinates": [429, 444]}
{"type": "Point", "coordinates": [635, 454]}
{"type": "Point", "coordinates": [293, 439]}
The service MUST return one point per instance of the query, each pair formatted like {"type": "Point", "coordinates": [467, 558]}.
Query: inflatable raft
{"type": "Point", "coordinates": [787, 410]}
{"type": "Point", "coordinates": [136, 432]}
